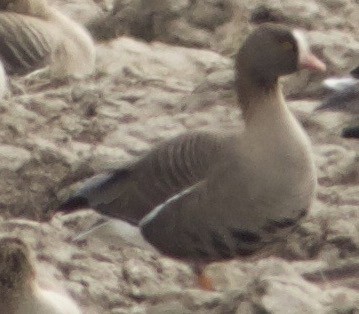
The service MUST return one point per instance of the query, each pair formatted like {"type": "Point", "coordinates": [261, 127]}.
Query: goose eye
{"type": "Point", "coordinates": [288, 45]}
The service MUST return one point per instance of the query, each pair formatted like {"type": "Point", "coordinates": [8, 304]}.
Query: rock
{"type": "Point", "coordinates": [185, 22]}
{"type": "Point", "coordinates": [209, 14]}
{"type": "Point", "coordinates": [80, 10]}
{"type": "Point", "coordinates": [344, 301]}
{"type": "Point", "coordinates": [266, 14]}
{"type": "Point", "coordinates": [297, 300]}
{"type": "Point", "coordinates": [107, 158]}
{"type": "Point", "coordinates": [12, 158]}
{"type": "Point", "coordinates": [170, 307]}
{"type": "Point", "coordinates": [221, 79]}
{"type": "Point", "coordinates": [132, 144]}
{"type": "Point", "coordinates": [181, 31]}
{"type": "Point", "coordinates": [340, 166]}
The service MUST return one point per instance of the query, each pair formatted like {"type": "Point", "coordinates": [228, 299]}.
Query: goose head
{"type": "Point", "coordinates": [272, 51]}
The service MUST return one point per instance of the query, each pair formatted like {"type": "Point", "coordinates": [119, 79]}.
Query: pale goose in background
{"type": "Point", "coordinates": [34, 34]}
{"type": "Point", "coordinates": [207, 196]}
{"type": "Point", "coordinates": [19, 288]}
{"type": "Point", "coordinates": [345, 97]}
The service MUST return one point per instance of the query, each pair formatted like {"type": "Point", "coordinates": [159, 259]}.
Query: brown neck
{"type": "Point", "coordinates": [254, 94]}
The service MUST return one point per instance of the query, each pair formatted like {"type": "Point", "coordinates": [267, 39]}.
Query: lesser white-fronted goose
{"type": "Point", "coordinates": [345, 97]}
{"type": "Point", "coordinates": [19, 288]}
{"type": "Point", "coordinates": [33, 34]}
{"type": "Point", "coordinates": [208, 196]}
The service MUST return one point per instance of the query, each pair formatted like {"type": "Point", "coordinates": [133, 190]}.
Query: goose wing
{"type": "Point", "coordinates": [26, 42]}
{"type": "Point", "coordinates": [130, 193]}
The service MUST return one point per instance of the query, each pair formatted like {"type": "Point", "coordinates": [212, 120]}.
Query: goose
{"type": "Point", "coordinates": [208, 196]}
{"type": "Point", "coordinates": [19, 288]}
{"type": "Point", "coordinates": [33, 35]}
{"type": "Point", "coordinates": [345, 97]}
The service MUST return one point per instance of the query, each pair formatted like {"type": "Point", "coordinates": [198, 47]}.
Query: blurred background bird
{"type": "Point", "coordinates": [344, 97]}
{"type": "Point", "coordinates": [34, 34]}
{"type": "Point", "coordinates": [20, 290]}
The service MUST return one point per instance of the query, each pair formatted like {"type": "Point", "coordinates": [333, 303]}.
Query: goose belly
{"type": "Point", "coordinates": [275, 174]}
{"type": "Point", "coordinates": [260, 202]}
{"type": "Point", "coordinates": [245, 221]}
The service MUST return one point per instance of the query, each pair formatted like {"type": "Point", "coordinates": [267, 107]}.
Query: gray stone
{"type": "Point", "coordinates": [13, 158]}
{"type": "Point", "coordinates": [174, 307]}
{"type": "Point", "coordinates": [209, 13]}
{"type": "Point", "coordinates": [293, 299]}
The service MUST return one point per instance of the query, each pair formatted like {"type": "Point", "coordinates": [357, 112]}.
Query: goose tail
{"type": "Point", "coordinates": [97, 191]}
{"type": "Point", "coordinates": [74, 203]}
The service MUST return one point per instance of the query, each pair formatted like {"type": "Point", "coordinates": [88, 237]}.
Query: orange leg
{"type": "Point", "coordinates": [203, 282]}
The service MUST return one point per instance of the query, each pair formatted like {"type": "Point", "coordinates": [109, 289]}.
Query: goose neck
{"type": "Point", "coordinates": [259, 99]}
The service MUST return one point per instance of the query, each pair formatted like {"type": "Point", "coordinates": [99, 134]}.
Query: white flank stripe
{"type": "Point", "coordinates": [159, 208]}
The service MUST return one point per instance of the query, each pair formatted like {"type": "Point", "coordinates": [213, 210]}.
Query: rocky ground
{"type": "Point", "coordinates": [168, 73]}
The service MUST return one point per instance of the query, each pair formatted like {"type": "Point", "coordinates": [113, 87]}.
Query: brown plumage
{"type": "Point", "coordinates": [165, 171]}
{"type": "Point", "coordinates": [16, 270]}
{"type": "Point", "coordinates": [206, 196]}
{"type": "Point", "coordinates": [34, 34]}
{"type": "Point", "coordinates": [19, 289]}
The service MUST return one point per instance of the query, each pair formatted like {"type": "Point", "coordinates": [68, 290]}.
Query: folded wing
{"type": "Point", "coordinates": [132, 192]}
{"type": "Point", "coordinates": [26, 43]}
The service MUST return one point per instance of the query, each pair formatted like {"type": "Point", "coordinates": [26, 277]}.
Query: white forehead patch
{"type": "Point", "coordinates": [303, 46]}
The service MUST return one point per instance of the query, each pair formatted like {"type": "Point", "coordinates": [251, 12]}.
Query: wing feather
{"type": "Point", "coordinates": [132, 192]}
{"type": "Point", "coordinates": [26, 43]}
